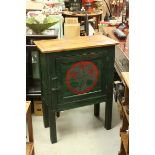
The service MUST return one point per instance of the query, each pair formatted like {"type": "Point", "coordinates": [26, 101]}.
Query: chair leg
{"type": "Point", "coordinates": [53, 133]}
{"type": "Point", "coordinates": [33, 152]}
{"type": "Point", "coordinates": [97, 109]}
{"type": "Point", "coordinates": [122, 151]}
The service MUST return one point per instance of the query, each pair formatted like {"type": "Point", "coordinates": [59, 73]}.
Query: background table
{"type": "Point", "coordinates": [81, 16]}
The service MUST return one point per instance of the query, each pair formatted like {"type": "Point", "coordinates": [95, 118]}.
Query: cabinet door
{"type": "Point", "coordinates": [81, 79]}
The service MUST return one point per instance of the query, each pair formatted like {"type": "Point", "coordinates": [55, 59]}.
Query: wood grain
{"type": "Point", "coordinates": [27, 105]}
{"type": "Point", "coordinates": [59, 45]}
{"type": "Point", "coordinates": [125, 76]}
{"type": "Point", "coordinates": [29, 148]}
{"type": "Point", "coordinates": [29, 120]}
{"type": "Point", "coordinates": [29, 145]}
{"type": "Point", "coordinates": [125, 140]}
{"type": "Point", "coordinates": [125, 112]}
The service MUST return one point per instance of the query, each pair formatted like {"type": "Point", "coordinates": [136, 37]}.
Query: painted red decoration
{"type": "Point", "coordinates": [82, 77]}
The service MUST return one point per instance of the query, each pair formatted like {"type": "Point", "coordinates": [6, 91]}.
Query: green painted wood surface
{"type": "Point", "coordinates": [55, 93]}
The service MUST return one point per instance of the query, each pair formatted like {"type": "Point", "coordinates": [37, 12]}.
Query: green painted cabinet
{"type": "Point", "coordinates": [76, 77]}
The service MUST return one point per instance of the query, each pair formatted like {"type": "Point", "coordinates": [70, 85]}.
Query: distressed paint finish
{"type": "Point", "coordinates": [57, 67]}
{"type": "Point", "coordinates": [82, 77]}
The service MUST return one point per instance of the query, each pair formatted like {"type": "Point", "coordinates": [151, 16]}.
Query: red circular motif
{"type": "Point", "coordinates": [82, 77]}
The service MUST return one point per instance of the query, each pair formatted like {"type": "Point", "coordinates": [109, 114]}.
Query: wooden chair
{"type": "Point", "coordinates": [124, 131]}
{"type": "Point", "coordinates": [30, 144]}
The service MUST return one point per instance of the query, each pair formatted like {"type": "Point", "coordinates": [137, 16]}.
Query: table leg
{"type": "Point", "coordinates": [52, 121]}
{"type": "Point", "coordinates": [97, 109]}
{"type": "Point", "coordinates": [98, 19]}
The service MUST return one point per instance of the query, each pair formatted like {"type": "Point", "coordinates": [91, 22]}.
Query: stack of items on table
{"type": "Point", "coordinates": [71, 28]}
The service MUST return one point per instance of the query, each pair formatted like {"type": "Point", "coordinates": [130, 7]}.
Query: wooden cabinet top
{"type": "Point", "coordinates": [59, 45]}
{"type": "Point", "coordinates": [125, 76]}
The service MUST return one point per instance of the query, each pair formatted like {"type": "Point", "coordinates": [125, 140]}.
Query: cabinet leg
{"type": "Point", "coordinates": [53, 133]}
{"type": "Point", "coordinates": [108, 114]}
{"type": "Point", "coordinates": [97, 109]}
{"type": "Point", "coordinates": [45, 115]}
